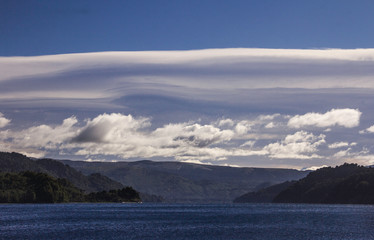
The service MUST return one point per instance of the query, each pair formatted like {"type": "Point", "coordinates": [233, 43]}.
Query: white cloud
{"type": "Point", "coordinates": [347, 117]}
{"type": "Point", "coordinates": [113, 128]}
{"type": "Point", "coordinates": [367, 130]}
{"type": "Point", "coordinates": [313, 168]}
{"type": "Point", "coordinates": [268, 117]}
{"type": "Point", "coordinates": [342, 153]}
{"type": "Point", "coordinates": [248, 144]}
{"type": "Point", "coordinates": [129, 137]}
{"type": "Point", "coordinates": [339, 145]}
{"type": "Point", "coordinates": [42, 136]}
{"type": "Point", "coordinates": [270, 125]}
{"type": "Point", "coordinates": [3, 121]}
{"type": "Point", "coordinates": [302, 145]}
{"type": "Point", "coordinates": [370, 129]}
{"type": "Point", "coordinates": [226, 123]}
{"type": "Point", "coordinates": [36, 141]}
{"type": "Point", "coordinates": [243, 127]}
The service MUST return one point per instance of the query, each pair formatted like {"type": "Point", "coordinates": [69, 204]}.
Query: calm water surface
{"type": "Point", "coordinates": [186, 221]}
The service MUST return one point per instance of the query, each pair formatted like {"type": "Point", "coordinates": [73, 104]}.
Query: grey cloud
{"type": "Point", "coordinates": [95, 134]}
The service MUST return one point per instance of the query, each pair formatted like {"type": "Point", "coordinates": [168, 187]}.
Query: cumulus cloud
{"type": "Point", "coordinates": [42, 136]}
{"type": "Point", "coordinates": [128, 137]}
{"type": "Point", "coordinates": [347, 117]}
{"type": "Point", "coordinates": [110, 128]}
{"type": "Point", "coordinates": [34, 141]}
{"type": "Point", "coordinates": [302, 145]}
{"type": "Point", "coordinates": [368, 130]}
{"type": "Point", "coordinates": [343, 153]}
{"type": "Point", "coordinates": [3, 121]}
{"type": "Point", "coordinates": [131, 137]}
{"type": "Point", "coordinates": [226, 122]}
{"type": "Point", "coordinates": [243, 127]}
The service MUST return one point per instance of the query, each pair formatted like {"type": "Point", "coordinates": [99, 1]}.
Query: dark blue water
{"type": "Point", "coordinates": [183, 221]}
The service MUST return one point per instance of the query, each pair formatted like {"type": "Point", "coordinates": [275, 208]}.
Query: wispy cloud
{"type": "Point", "coordinates": [113, 74]}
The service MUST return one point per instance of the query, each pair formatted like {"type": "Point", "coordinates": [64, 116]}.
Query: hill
{"type": "Point", "coordinates": [32, 187]}
{"type": "Point", "coordinates": [95, 182]}
{"type": "Point", "coordinates": [187, 182]}
{"type": "Point", "coordinates": [345, 184]}
{"type": "Point", "coordinates": [265, 195]}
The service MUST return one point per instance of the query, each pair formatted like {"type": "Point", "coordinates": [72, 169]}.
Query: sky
{"type": "Point", "coordinates": [235, 83]}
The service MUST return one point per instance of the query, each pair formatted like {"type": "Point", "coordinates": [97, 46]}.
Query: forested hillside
{"type": "Point", "coordinates": [348, 184]}
{"type": "Point", "coordinates": [15, 162]}
{"type": "Point", "coordinates": [32, 187]}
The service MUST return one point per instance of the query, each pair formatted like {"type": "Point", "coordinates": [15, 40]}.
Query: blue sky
{"type": "Point", "coordinates": [30, 27]}
{"type": "Point", "coordinates": [240, 83]}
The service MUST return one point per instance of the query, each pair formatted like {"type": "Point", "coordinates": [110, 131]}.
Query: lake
{"type": "Point", "coordinates": [186, 221]}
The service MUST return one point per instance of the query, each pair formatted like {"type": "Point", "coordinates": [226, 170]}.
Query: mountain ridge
{"type": "Point", "coordinates": [188, 182]}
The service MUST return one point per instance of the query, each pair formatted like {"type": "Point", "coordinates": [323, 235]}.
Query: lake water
{"type": "Point", "coordinates": [186, 221]}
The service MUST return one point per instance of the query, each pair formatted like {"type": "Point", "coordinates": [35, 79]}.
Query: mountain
{"type": "Point", "coordinates": [265, 195]}
{"type": "Point", "coordinates": [95, 182]}
{"type": "Point", "coordinates": [345, 184]}
{"type": "Point", "coordinates": [187, 182]}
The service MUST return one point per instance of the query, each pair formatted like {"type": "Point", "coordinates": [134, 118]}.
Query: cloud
{"type": "Point", "coordinates": [348, 118]}
{"type": "Point", "coordinates": [301, 145]}
{"type": "Point", "coordinates": [216, 74]}
{"type": "Point", "coordinates": [3, 121]}
{"type": "Point", "coordinates": [313, 168]}
{"type": "Point", "coordinates": [270, 125]}
{"type": "Point", "coordinates": [226, 123]}
{"type": "Point", "coordinates": [368, 130]}
{"type": "Point", "coordinates": [243, 127]}
{"type": "Point", "coordinates": [110, 128]}
{"type": "Point", "coordinates": [127, 137]}
{"type": "Point", "coordinates": [248, 144]}
{"type": "Point", "coordinates": [42, 136]}
{"type": "Point", "coordinates": [343, 153]}
{"type": "Point", "coordinates": [35, 141]}
{"type": "Point", "coordinates": [341, 144]}
{"type": "Point", "coordinates": [121, 136]}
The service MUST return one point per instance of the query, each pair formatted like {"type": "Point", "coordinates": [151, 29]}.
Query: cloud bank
{"type": "Point", "coordinates": [129, 137]}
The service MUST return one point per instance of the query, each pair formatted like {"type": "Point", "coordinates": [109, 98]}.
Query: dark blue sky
{"type": "Point", "coordinates": [30, 27]}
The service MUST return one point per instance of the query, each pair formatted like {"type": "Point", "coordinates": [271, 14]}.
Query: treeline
{"type": "Point", "coordinates": [32, 187]}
